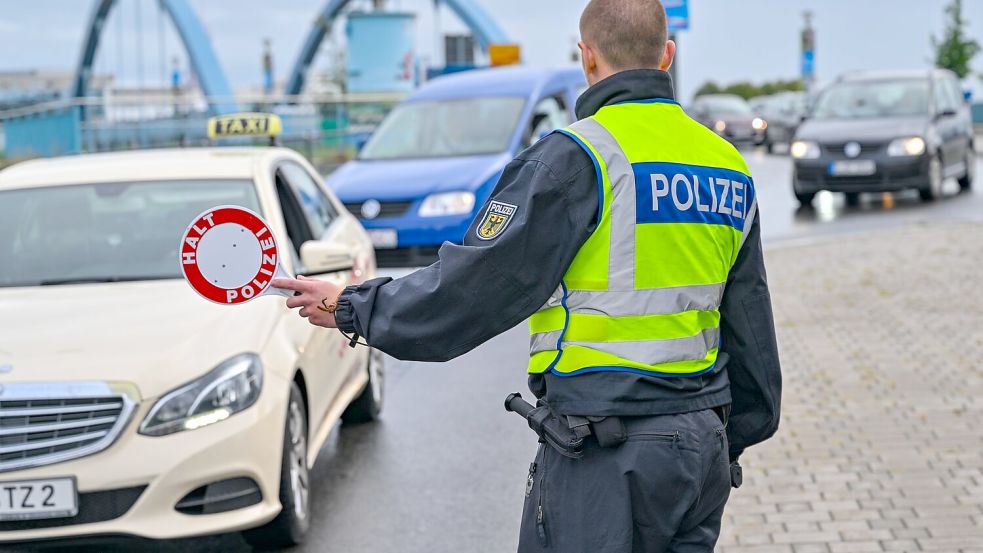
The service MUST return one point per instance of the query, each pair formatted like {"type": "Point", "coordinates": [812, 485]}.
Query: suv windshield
{"type": "Point", "coordinates": [870, 99]}
{"type": "Point", "coordinates": [104, 232]}
{"type": "Point", "coordinates": [446, 128]}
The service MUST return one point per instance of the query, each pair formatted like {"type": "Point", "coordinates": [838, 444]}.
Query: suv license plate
{"type": "Point", "coordinates": [858, 168]}
{"type": "Point", "coordinates": [34, 499]}
{"type": "Point", "coordinates": [383, 239]}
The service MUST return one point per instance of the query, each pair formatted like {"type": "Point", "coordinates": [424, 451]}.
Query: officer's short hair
{"type": "Point", "coordinates": [629, 34]}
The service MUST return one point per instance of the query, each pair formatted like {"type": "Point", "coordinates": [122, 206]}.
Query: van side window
{"type": "Point", "coordinates": [548, 115]}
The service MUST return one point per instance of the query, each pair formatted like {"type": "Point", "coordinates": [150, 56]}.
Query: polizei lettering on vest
{"type": "Point", "coordinates": [677, 193]}
{"type": "Point", "coordinates": [686, 196]}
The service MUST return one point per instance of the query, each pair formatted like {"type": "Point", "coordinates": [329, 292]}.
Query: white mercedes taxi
{"type": "Point", "coordinates": [129, 405]}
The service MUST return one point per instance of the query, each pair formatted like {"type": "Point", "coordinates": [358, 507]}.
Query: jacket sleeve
{"type": "Point", "coordinates": [482, 288]}
{"type": "Point", "coordinates": [748, 339]}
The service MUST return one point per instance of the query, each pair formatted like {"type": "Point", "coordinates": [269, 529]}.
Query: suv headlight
{"type": "Point", "coordinates": [231, 387]}
{"type": "Point", "coordinates": [804, 149]}
{"type": "Point", "coordinates": [759, 124]}
{"type": "Point", "coordinates": [903, 147]}
{"type": "Point", "coordinates": [447, 203]}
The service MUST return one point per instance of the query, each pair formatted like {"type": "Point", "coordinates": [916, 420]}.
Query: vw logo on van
{"type": "Point", "coordinates": [371, 209]}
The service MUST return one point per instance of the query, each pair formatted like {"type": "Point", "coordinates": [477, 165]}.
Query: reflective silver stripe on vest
{"type": "Point", "coordinates": [648, 352]}
{"type": "Point", "coordinates": [657, 352]}
{"type": "Point", "coordinates": [545, 341]}
{"type": "Point", "coordinates": [656, 301]}
{"type": "Point", "coordinates": [621, 260]}
{"type": "Point", "coordinates": [748, 220]}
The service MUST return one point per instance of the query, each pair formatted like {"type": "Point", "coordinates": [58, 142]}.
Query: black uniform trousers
{"type": "Point", "coordinates": [663, 490]}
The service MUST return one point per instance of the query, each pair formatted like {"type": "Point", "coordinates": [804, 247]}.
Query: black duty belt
{"type": "Point", "coordinates": [567, 434]}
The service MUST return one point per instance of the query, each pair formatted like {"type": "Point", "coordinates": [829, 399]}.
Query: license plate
{"type": "Point", "coordinates": [860, 167]}
{"type": "Point", "coordinates": [34, 499]}
{"type": "Point", "coordinates": [383, 239]}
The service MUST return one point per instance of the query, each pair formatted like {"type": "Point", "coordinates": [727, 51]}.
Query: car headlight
{"type": "Point", "coordinates": [231, 387]}
{"type": "Point", "coordinates": [720, 126]}
{"type": "Point", "coordinates": [912, 146]}
{"type": "Point", "coordinates": [804, 149]}
{"type": "Point", "coordinates": [447, 203]}
{"type": "Point", "coordinates": [759, 124]}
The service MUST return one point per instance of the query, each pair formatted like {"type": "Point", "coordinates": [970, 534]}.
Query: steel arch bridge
{"type": "Point", "coordinates": [485, 29]}
{"type": "Point", "coordinates": [207, 68]}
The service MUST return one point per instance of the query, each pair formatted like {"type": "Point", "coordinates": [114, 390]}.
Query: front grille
{"type": "Point", "coordinates": [93, 507]}
{"type": "Point", "coordinates": [42, 424]}
{"type": "Point", "coordinates": [866, 148]}
{"type": "Point", "coordinates": [387, 209]}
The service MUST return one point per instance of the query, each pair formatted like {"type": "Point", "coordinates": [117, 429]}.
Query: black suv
{"type": "Point", "coordinates": [885, 131]}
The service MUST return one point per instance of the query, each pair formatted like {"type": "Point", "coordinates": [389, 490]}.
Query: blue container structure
{"type": "Point", "coordinates": [49, 133]}
{"type": "Point", "coordinates": [381, 52]}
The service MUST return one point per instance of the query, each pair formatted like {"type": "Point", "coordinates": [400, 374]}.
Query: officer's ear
{"type": "Point", "coordinates": [668, 55]}
{"type": "Point", "coordinates": [588, 61]}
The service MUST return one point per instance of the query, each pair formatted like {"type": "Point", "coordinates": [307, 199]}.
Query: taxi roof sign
{"type": "Point", "coordinates": [245, 124]}
{"type": "Point", "coordinates": [504, 54]}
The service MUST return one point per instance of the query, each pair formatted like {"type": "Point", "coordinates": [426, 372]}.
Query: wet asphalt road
{"type": "Point", "coordinates": [444, 471]}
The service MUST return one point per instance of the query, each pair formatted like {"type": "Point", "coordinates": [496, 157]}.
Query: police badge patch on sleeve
{"type": "Point", "coordinates": [496, 219]}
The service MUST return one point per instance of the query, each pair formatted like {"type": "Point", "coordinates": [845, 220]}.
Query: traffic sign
{"type": "Point", "coordinates": [229, 256]}
{"type": "Point", "coordinates": [677, 13]}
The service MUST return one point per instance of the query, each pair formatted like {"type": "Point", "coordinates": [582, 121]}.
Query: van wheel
{"type": "Point", "coordinates": [933, 188]}
{"type": "Point", "coordinates": [368, 405]}
{"type": "Point", "coordinates": [289, 528]}
{"type": "Point", "coordinates": [966, 182]}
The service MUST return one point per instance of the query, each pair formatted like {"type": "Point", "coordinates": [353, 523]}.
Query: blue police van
{"type": "Point", "coordinates": [436, 158]}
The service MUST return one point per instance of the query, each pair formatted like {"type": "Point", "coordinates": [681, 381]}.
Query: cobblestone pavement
{"type": "Point", "coordinates": [881, 442]}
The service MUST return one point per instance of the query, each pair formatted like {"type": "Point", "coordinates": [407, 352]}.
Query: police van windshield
{"type": "Point", "coordinates": [871, 99]}
{"type": "Point", "coordinates": [446, 128]}
{"type": "Point", "coordinates": [111, 232]}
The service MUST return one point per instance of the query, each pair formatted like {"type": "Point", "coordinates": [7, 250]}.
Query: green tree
{"type": "Point", "coordinates": [955, 51]}
{"type": "Point", "coordinates": [708, 87]}
{"type": "Point", "coordinates": [747, 89]}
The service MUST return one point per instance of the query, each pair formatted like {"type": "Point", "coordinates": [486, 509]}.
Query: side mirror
{"type": "Point", "coordinates": [319, 258]}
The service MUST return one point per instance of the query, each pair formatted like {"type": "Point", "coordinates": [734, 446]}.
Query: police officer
{"type": "Point", "coordinates": [630, 241]}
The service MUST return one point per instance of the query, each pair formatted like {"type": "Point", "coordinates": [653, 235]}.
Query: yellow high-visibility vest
{"type": "Point", "coordinates": [643, 293]}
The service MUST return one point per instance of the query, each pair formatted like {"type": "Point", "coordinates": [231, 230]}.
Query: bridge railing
{"type": "Point", "coordinates": [327, 129]}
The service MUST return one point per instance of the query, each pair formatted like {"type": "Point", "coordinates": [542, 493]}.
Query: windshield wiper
{"type": "Point", "coordinates": [96, 280]}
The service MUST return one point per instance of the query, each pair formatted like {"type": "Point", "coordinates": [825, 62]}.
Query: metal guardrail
{"type": "Point", "coordinates": [326, 129]}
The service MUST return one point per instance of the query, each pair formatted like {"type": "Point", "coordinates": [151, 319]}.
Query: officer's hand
{"type": "Point", "coordinates": [314, 299]}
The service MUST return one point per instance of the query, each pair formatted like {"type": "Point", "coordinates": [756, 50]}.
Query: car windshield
{"type": "Point", "coordinates": [724, 105]}
{"type": "Point", "coordinates": [446, 128]}
{"type": "Point", "coordinates": [871, 99]}
{"type": "Point", "coordinates": [104, 232]}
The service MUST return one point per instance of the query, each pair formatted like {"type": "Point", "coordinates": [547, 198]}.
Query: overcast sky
{"type": "Point", "coordinates": [729, 40]}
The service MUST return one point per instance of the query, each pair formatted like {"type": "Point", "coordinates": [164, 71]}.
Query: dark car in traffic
{"type": "Point", "coordinates": [885, 132]}
{"type": "Point", "coordinates": [731, 117]}
{"type": "Point", "coordinates": [782, 113]}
